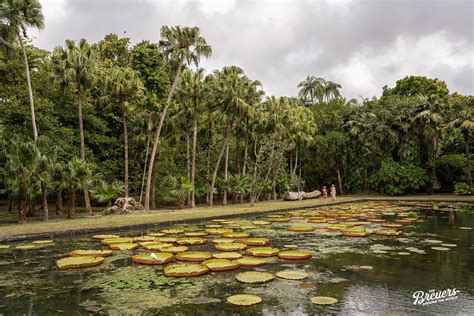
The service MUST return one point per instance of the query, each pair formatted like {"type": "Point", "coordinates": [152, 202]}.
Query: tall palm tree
{"type": "Point", "coordinates": [16, 16]}
{"type": "Point", "coordinates": [74, 66]}
{"type": "Point", "coordinates": [430, 114]}
{"type": "Point", "coordinates": [192, 88]}
{"type": "Point", "coordinates": [462, 120]}
{"type": "Point", "coordinates": [125, 85]}
{"type": "Point", "coordinates": [311, 89]}
{"type": "Point", "coordinates": [331, 90]}
{"type": "Point", "coordinates": [181, 46]}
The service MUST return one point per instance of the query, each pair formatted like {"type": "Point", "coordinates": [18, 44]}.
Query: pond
{"type": "Point", "coordinates": [374, 274]}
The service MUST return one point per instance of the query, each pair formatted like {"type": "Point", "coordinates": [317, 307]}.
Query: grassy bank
{"type": "Point", "coordinates": [98, 223]}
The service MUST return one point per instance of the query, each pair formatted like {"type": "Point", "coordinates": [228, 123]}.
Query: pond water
{"type": "Point", "coordinates": [375, 274]}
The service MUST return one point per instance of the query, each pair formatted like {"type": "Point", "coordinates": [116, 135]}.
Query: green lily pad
{"type": "Point", "coordinates": [292, 274]}
{"type": "Point", "coordinates": [221, 264]}
{"type": "Point", "coordinates": [25, 247]}
{"type": "Point", "coordinates": [244, 300]}
{"type": "Point", "coordinates": [123, 246]}
{"type": "Point", "coordinates": [90, 253]}
{"type": "Point", "coordinates": [262, 251]}
{"type": "Point", "coordinates": [256, 241]}
{"type": "Point", "coordinates": [191, 241]}
{"type": "Point", "coordinates": [100, 237]}
{"type": "Point", "coordinates": [254, 277]}
{"type": "Point", "coordinates": [251, 262]}
{"type": "Point", "coordinates": [78, 262]}
{"type": "Point", "coordinates": [323, 300]}
{"type": "Point", "coordinates": [153, 258]}
{"type": "Point", "coordinates": [230, 246]}
{"type": "Point", "coordinates": [227, 255]}
{"type": "Point", "coordinates": [294, 254]}
{"type": "Point", "coordinates": [43, 242]}
{"type": "Point", "coordinates": [194, 256]}
{"type": "Point", "coordinates": [185, 270]}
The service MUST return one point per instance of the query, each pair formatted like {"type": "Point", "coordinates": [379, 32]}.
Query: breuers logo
{"type": "Point", "coordinates": [435, 296]}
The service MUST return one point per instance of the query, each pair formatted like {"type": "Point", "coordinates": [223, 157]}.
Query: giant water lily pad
{"type": "Point", "coordinates": [196, 234]}
{"type": "Point", "coordinates": [123, 246]}
{"type": "Point", "coordinates": [254, 277]}
{"type": "Point", "coordinates": [221, 264]}
{"type": "Point", "coordinates": [191, 241]}
{"type": "Point", "coordinates": [391, 225]}
{"type": "Point", "coordinates": [294, 254]}
{"type": "Point", "coordinates": [223, 240]}
{"type": "Point", "coordinates": [172, 231]}
{"type": "Point", "coordinates": [43, 242]}
{"type": "Point", "coordinates": [119, 240]}
{"type": "Point", "coordinates": [159, 246]}
{"type": "Point", "coordinates": [280, 220]}
{"type": "Point", "coordinates": [227, 255]}
{"type": "Point", "coordinates": [78, 262]}
{"type": "Point", "coordinates": [174, 249]}
{"type": "Point", "coordinates": [301, 229]}
{"type": "Point", "coordinates": [323, 300]}
{"type": "Point", "coordinates": [355, 233]}
{"type": "Point", "coordinates": [433, 241]}
{"type": "Point", "coordinates": [100, 237]}
{"type": "Point", "coordinates": [441, 248]}
{"type": "Point", "coordinates": [157, 234]}
{"type": "Point", "coordinates": [153, 258]}
{"type": "Point", "coordinates": [90, 253]}
{"type": "Point", "coordinates": [449, 245]}
{"type": "Point", "coordinates": [292, 274]}
{"type": "Point", "coordinates": [261, 223]}
{"type": "Point", "coordinates": [244, 300]}
{"type": "Point", "coordinates": [235, 246]}
{"type": "Point", "coordinates": [25, 247]}
{"type": "Point", "coordinates": [262, 251]}
{"type": "Point", "coordinates": [465, 228]}
{"type": "Point", "coordinates": [185, 269]}
{"type": "Point", "coordinates": [251, 262]}
{"type": "Point", "coordinates": [236, 235]}
{"type": "Point", "coordinates": [4, 247]}
{"type": "Point", "coordinates": [144, 238]}
{"type": "Point", "coordinates": [218, 231]}
{"type": "Point", "coordinates": [194, 256]}
{"type": "Point", "coordinates": [387, 232]}
{"type": "Point", "coordinates": [167, 239]}
{"type": "Point", "coordinates": [256, 241]}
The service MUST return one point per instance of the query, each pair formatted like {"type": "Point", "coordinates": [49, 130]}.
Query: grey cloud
{"type": "Point", "coordinates": [281, 42]}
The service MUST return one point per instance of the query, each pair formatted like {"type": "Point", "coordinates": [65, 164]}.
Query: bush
{"type": "Point", "coordinates": [395, 178]}
{"type": "Point", "coordinates": [462, 188]}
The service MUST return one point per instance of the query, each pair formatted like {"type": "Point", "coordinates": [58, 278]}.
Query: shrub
{"type": "Point", "coordinates": [396, 178]}
{"type": "Point", "coordinates": [462, 188]}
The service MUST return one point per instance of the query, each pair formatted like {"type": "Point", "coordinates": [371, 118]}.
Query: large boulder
{"type": "Point", "coordinates": [293, 196]}
{"type": "Point", "coordinates": [124, 205]}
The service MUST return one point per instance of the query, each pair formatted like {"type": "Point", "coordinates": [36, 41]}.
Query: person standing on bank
{"type": "Point", "coordinates": [325, 192]}
{"type": "Point", "coordinates": [333, 192]}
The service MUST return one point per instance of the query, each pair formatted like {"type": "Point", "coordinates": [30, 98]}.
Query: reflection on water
{"type": "Point", "coordinates": [345, 268]}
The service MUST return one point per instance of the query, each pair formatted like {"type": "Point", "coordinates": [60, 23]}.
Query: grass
{"type": "Point", "coordinates": [166, 216]}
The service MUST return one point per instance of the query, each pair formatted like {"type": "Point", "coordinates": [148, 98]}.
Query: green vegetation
{"type": "Point", "coordinates": [144, 120]}
{"type": "Point", "coordinates": [461, 188]}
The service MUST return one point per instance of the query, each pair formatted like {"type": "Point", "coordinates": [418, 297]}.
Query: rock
{"type": "Point", "coordinates": [124, 205]}
{"type": "Point", "coordinates": [293, 196]}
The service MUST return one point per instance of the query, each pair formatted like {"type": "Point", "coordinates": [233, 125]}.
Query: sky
{"type": "Point", "coordinates": [362, 45]}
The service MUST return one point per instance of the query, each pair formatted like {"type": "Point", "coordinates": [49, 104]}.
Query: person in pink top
{"type": "Point", "coordinates": [325, 192]}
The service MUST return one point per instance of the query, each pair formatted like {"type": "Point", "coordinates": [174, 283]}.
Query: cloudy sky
{"type": "Point", "coordinates": [363, 45]}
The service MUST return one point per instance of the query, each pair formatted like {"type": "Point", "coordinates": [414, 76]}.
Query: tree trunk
{"type": "Point", "coordinates": [296, 161]}
{"type": "Point", "coordinates": [59, 203]}
{"type": "Point", "coordinates": [87, 201]}
{"type": "Point", "coordinates": [158, 132]}
{"type": "Point", "coordinates": [153, 188]}
{"type": "Point", "coordinates": [193, 159]}
{"type": "Point", "coordinates": [148, 136]}
{"type": "Point", "coordinates": [22, 204]}
{"type": "Point", "coordinates": [226, 166]}
{"type": "Point", "coordinates": [209, 156]}
{"type": "Point", "coordinates": [216, 168]}
{"type": "Point", "coordinates": [188, 166]}
{"type": "Point", "coordinates": [71, 208]}
{"type": "Point", "coordinates": [10, 205]}
{"type": "Point", "coordinates": [44, 198]}
{"type": "Point", "coordinates": [339, 180]}
{"type": "Point", "coordinates": [274, 186]}
{"type": "Point", "coordinates": [125, 148]}
{"type": "Point", "coordinates": [30, 90]}
{"type": "Point", "coordinates": [468, 154]}
{"type": "Point", "coordinates": [244, 163]}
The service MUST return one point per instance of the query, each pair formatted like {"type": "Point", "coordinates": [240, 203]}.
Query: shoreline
{"type": "Point", "coordinates": [159, 218]}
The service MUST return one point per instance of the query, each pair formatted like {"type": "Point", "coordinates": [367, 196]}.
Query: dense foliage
{"type": "Point", "coordinates": [141, 119]}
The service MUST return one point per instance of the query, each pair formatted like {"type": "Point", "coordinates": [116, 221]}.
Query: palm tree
{"type": "Point", "coordinates": [311, 89]}
{"type": "Point", "coordinates": [125, 86]}
{"type": "Point", "coordinates": [79, 175]}
{"type": "Point", "coordinates": [192, 88]}
{"type": "Point", "coordinates": [74, 66]}
{"type": "Point", "coordinates": [331, 90]}
{"type": "Point", "coordinates": [430, 114]}
{"type": "Point", "coordinates": [104, 192]}
{"type": "Point", "coordinates": [181, 46]}
{"type": "Point", "coordinates": [462, 120]}
{"type": "Point", "coordinates": [16, 16]}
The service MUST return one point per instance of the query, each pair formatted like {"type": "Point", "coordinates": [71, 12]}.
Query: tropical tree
{"type": "Point", "coordinates": [16, 16]}
{"type": "Point", "coordinates": [105, 192]}
{"type": "Point", "coordinates": [74, 67]}
{"type": "Point", "coordinates": [462, 120]}
{"type": "Point", "coordinates": [181, 46]}
{"type": "Point", "coordinates": [125, 87]}
{"type": "Point", "coordinates": [79, 176]}
{"type": "Point", "coordinates": [311, 89]}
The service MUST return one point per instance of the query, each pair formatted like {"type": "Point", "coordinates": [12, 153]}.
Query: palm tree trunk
{"type": "Point", "coordinates": [209, 156]}
{"type": "Point", "coordinates": [71, 207]}
{"type": "Point", "coordinates": [44, 198]}
{"type": "Point", "coordinates": [158, 132]}
{"type": "Point", "coordinates": [188, 166]}
{"type": "Point", "coordinates": [193, 159]}
{"type": "Point", "coordinates": [148, 137]}
{"type": "Point", "coordinates": [339, 180]}
{"type": "Point", "coordinates": [216, 168]}
{"type": "Point", "coordinates": [22, 204]}
{"type": "Point", "coordinates": [468, 156]}
{"type": "Point", "coordinates": [244, 162]}
{"type": "Point", "coordinates": [59, 203]}
{"type": "Point", "coordinates": [87, 201]}
{"type": "Point", "coordinates": [125, 148]}
{"type": "Point", "coordinates": [30, 90]}
{"type": "Point", "coordinates": [153, 188]}
{"type": "Point", "coordinates": [226, 166]}
{"type": "Point", "coordinates": [296, 161]}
